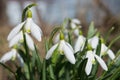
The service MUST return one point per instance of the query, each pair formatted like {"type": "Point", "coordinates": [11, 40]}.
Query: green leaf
{"type": "Point", "coordinates": [91, 30]}
{"type": "Point", "coordinates": [108, 34]}
{"type": "Point", "coordinates": [113, 67]}
{"type": "Point", "coordinates": [114, 40]}
{"type": "Point", "coordinates": [51, 72]}
{"type": "Point", "coordinates": [115, 75]}
{"type": "Point", "coordinates": [81, 70]}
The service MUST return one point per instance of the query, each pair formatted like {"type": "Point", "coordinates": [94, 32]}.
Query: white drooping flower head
{"type": "Point", "coordinates": [15, 37]}
{"type": "Point", "coordinates": [94, 41]}
{"type": "Point", "coordinates": [29, 26]}
{"type": "Point", "coordinates": [34, 29]}
{"type": "Point", "coordinates": [75, 25]}
{"type": "Point", "coordinates": [105, 50]}
{"type": "Point", "coordinates": [91, 58]}
{"type": "Point", "coordinates": [12, 55]}
{"type": "Point", "coordinates": [63, 48]}
{"type": "Point", "coordinates": [80, 43]}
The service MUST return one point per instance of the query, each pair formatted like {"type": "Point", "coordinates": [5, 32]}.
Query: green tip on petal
{"type": "Point", "coordinates": [98, 34]}
{"type": "Point", "coordinates": [61, 36]}
{"type": "Point", "coordinates": [15, 46]}
{"type": "Point", "coordinates": [80, 32]}
{"type": "Point", "coordinates": [29, 13]}
{"type": "Point", "coordinates": [89, 47]}
{"type": "Point", "coordinates": [102, 40]}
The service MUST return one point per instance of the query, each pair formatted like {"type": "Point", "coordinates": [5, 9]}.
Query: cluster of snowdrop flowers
{"type": "Point", "coordinates": [63, 47]}
{"type": "Point", "coordinates": [91, 53]}
{"type": "Point", "coordinates": [17, 35]}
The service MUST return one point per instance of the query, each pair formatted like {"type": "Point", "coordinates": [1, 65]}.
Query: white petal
{"type": "Point", "coordinates": [69, 54]}
{"type": "Point", "coordinates": [103, 49]}
{"type": "Point", "coordinates": [28, 24]}
{"type": "Point", "coordinates": [76, 21]}
{"type": "Point", "coordinates": [79, 45]}
{"type": "Point", "coordinates": [14, 31]}
{"type": "Point", "coordinates": [111, 54]}
{"type": "Point", "coordinates": [50, 51]}
{"type": "Point", "coordinates": [69, 46]}
{"type": "Point", "coordinates": [8, 56]}
{"type": "Point", "coordinates": [15, 40]}
{"type": "Point", "coordinates": [29, 42]}
{"type": "Point", "coordinates": [20, 59]}
{"type": "Point", "coordinates": [76, 32]}
{"type": "Point", "coordinates": [101, 62]}
{"type": "Point", "coordinates": [36, 31]}
{"type": "Point", "coordinates": [88, 67]}
{"type": "Point", "coordinates": [73, 25]}
{"type": "Point", "coordinates": [57, 38]}
{"type": "Point", "coordinates": [94, 42]}
{"type": "Point", "coordinates": [89, 54]}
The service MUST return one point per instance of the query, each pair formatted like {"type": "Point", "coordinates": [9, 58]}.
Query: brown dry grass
{"type": "Point", "coordinates": [4, 30]}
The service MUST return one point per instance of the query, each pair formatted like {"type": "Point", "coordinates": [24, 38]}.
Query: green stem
{"type": "Point", "coordinates": [27, 57]}
{"type": "Point", "coordinates": [25, 44]}
{"type": "Point", "coordinates": [25, 10]}
{"type": "Point", "coordinates": [44, 70]}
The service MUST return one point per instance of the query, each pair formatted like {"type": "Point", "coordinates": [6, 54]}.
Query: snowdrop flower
{"type": "Point", "coordinates": [94, 41]}
{"type": "Point", "coordinates": [75, 24]}
{"type": "Point", "coordinates": [105, 50]}
{"type": "Point", "coordinates": [79, 44]}
{"type": "Point", "coordinates": [34, 29]}
{"type": "Point", "coordinates": [64, 48]}
{"type": "Point", "coordinates": [92, 57]}
{"type": "Point", "coordinates": [19, 39]}
{"type": "Point", "coordinates": [12, 55]}
{"type": "Point", "coordinates": [29, 26]}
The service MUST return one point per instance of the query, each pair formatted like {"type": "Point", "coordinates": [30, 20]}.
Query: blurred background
{"type": "Point", "coordinates": [48, 13]}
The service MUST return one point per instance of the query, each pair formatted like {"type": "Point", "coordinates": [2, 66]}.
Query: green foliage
{"type": "Point", "coordinates": [58, 66]}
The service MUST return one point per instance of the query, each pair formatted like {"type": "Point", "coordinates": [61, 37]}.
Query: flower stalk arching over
{"type": "Point", "coordinates": [64, 48]}
{"type": "Point", "coordinates": [12, 55]}
{"type": "Point", "coordinates": [92, 57]}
